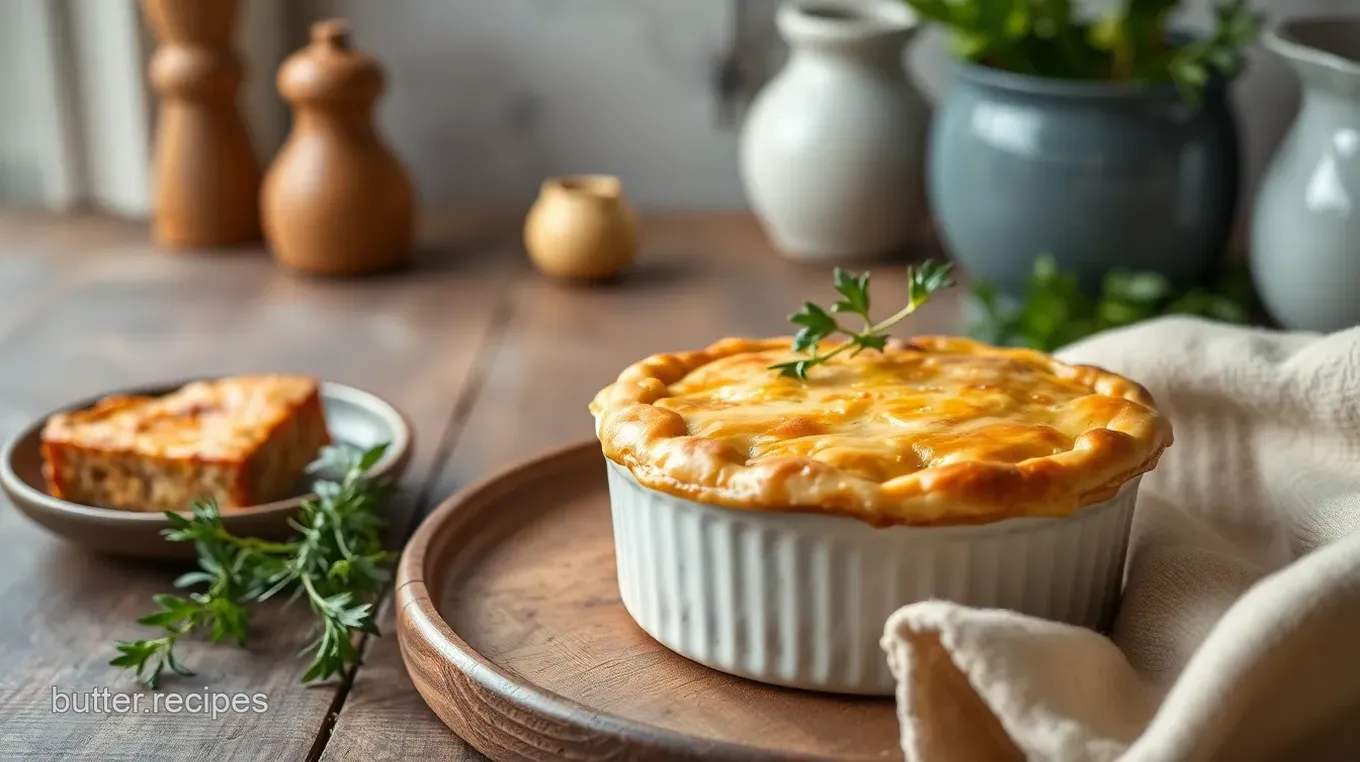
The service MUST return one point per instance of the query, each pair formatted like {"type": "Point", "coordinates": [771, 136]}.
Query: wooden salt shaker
{"type": "Point", "coordinates": [207, 176]}
{"type": "Point", "coordinates": [336, 200]}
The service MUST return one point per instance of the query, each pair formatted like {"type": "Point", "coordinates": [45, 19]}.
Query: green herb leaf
{"type": "Point", "coordinates": [793, 368]}
{"type": "Point", "coordinates": [854, 290]}
{"type": "Point", "coordinates": [1237, 27]}
{"type": "Point", "coordinates": [336, 562]}
{"type": "Point", "coordinates": [1209, 305]}
{"type": "Point", "coordinates": [148, 659]}
{"type": "Point", "coordinates": [1141, 288]}
{"type": "Point", "coordinates": [875, 341]}
{"type": "Point", "coordinates": [818, 324]}
{"type": "Point", "coordinates": [371, 457]}
{"type": "Point", "coordinates": [1047, 38]}
{"type": "Point", "coordinates": [1055, 312]}
{"type": "Point", "coordinates": [930, 277]}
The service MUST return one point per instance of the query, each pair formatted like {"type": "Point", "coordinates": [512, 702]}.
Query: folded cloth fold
{"type": "Point", "coordinates": [1236, 638]}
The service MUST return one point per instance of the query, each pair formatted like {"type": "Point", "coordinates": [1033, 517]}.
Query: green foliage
{"type": "Point", "coordinates": [1055, 312]}
{"type": "Point", "coordinates": [1045, 38]}
{"type": "Point", "coordinates": [336, 562]}
{"type": "Point", "coordinates": [816, 324]}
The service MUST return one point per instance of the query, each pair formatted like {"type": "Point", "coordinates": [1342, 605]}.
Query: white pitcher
{"type": "Point", "coordinates": [831, 154]}
{"type": "Point", "coordinates": [1305, 237]}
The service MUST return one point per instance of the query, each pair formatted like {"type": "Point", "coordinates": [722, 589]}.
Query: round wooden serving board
{"type": "Point", "coordinates": [511, 626]}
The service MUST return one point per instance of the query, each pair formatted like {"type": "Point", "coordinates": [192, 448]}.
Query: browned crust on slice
{"type": "Point", "coordinates": [655, 444]}
{"type": "Point", "coordinates": [272, 471]}
{"type": "Point", "coordinates": [151, 454]}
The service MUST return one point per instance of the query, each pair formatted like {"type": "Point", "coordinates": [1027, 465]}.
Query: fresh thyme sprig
{"type": "Point", "coordinates": [336, 562]}
{"type": "Point", "coordinates": [818, 323]}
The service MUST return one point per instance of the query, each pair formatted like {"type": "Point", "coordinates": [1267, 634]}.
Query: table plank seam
{"type": "Point", "coordinates": [502, 312]}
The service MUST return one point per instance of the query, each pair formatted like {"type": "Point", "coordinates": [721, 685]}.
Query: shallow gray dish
{"type": "Point", "coordinates": [354, 417]}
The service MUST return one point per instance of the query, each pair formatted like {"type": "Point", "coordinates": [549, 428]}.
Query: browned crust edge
{"type": "Point", "coordinates": [654, 445]}
{"type": "Point", "coordinates": [309, 413]}
{"type": "Point", "coordinates": [57, 451]}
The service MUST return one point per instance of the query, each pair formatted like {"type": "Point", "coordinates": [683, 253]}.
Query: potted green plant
{"type": "Point", "coordinates": [1055, 311]}
{"type": "Point", "coordinates": [1109, 142]}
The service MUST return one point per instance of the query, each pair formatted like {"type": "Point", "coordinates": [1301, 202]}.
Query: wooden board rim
{"type": "Point", "coordinates": [419, 624]}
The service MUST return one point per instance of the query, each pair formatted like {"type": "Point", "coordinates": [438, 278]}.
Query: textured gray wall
{"type": "Point", "coordinates": [486, 98]}
{"type": "Point", "coordinates": [21, 170]}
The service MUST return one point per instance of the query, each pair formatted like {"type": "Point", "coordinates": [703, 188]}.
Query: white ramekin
{"type": "Point", "coordinates": [800, 599]}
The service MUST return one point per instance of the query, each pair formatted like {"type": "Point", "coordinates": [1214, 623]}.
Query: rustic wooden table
{"type": "Point", "coordinates": [491, 361]}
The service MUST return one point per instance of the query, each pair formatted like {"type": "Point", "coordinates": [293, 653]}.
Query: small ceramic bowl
{"type": "Point", "coordinates": [353, 416]}
{"type": "Point", "coordinates": [581, 228]}
{"type": "Point", "coordinates": [800, 599]}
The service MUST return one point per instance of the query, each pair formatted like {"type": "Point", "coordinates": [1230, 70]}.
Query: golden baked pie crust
{"type": "Point", "coordinates": [939, 430]}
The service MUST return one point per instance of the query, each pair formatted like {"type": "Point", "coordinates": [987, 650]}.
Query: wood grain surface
{"type": "Point", "coordinates": [511, 625]}
{"type": "Point", "coordinates": [87, 305]}
{"type": "Point", "coordinates": [493, 362]}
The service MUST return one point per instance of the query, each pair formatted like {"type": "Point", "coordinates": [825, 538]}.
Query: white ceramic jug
{"type": "Point", "coordinates": [1305, 237]}
{"type": "Point", "coordinates": [831, 153]}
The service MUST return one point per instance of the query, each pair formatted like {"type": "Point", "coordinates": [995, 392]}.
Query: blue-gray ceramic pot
{"type": "Point", "coordinates": [1102, 175]}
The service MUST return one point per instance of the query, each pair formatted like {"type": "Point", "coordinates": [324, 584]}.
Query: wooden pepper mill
{"type": "Point", "coordinates": [206, 173]}
{"type": "Point", "coordinates": [336, 200]}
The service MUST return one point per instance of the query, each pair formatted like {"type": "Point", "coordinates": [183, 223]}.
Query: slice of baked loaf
{"type": "Point", "coordinates": [243, 440]}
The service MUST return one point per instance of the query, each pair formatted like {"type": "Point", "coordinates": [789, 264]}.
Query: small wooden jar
{"type": "Point", "coordinates": [581, 228]}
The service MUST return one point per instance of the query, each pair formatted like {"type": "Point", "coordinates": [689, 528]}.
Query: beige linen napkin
{"type": "Point", "coordinates": [1238, 637]}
